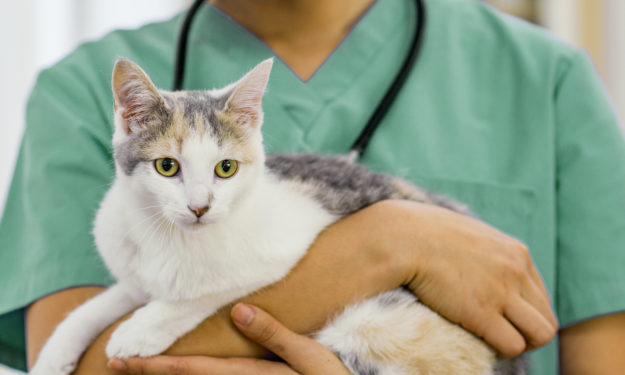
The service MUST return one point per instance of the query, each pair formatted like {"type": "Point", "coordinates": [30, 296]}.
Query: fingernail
{"type": "Point", "coordinates": [117, 364]}
{"type": "Point", "coordinates": [242, 314]}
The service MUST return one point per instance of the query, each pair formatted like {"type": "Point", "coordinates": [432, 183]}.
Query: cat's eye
{"type": "Point", "coordinates": [167, 167]}
{"type": "Point", "coordinates": [226, 168]}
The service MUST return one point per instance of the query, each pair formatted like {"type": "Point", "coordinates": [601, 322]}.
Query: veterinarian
{"type": "Point", "coordinates": [494, 112]}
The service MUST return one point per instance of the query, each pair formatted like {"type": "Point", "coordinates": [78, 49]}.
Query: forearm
{"type": "Point", "coordinates": [596, 346]}
{"type": "Point", "coordinates": [313, 291]}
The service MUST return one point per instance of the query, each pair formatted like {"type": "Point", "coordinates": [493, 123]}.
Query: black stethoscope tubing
{"type": "Point", "coordinates": [362, 141]}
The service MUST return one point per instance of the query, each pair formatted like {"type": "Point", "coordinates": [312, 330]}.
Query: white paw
{"type": "Point", "coordinates": [45, 367]}
{"type": "Point", "coordinates": [57, 358]}
{"type": "Point", "coordinates": [131, 340]}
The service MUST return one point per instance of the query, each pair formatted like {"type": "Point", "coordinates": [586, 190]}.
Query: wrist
{"type": "Point", "coordinates": [394, 237]}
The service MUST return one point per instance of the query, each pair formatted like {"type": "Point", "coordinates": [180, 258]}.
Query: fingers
{"type": "Point", "coordinates": [532, 313]}
{"type": "Point", "coordinates": [523, 325]}
{"type": "Point", "coordinates": [529, 310]}
{"type": "Point", "coordinates": [504, 337]}
{"type": "Point", "coordinates": [169, 365]}
{"type": "Point", "coordinates": [303, 354]}
{"type": "Point", "coordinates": [544, 303]}
{"type": "Point", "coordinates": [536, 329]}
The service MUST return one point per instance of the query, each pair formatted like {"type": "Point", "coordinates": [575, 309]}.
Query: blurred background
{"type": "Point", "coordinates": [36, 33]}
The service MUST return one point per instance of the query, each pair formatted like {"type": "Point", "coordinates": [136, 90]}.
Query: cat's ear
{"type": "Point", "coordinates": [244, 104]}
{"type": "Point", "coordinates": [136, 98]}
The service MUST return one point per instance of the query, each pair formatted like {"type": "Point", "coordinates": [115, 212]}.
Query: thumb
{"type": "Point", "coordinates": [263, 329]}
{"type": "Point", "coordinates": [303, 354]}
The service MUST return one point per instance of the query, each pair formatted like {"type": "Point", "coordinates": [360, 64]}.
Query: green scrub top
{"type": "Point", "coordinates": [496, 113]}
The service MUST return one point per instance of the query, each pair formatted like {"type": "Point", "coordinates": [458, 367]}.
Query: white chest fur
{"type": "Point", "coordinates": [254, 245]}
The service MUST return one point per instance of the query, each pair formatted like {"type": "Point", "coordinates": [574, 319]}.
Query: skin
{"type": "Point", "coordinates": [439, 254]}
{"type": "Point", "coordinates": [301, 354]}
{"type": "Point", "coordinates": [302, 33]}
{"type": "Point", "coordinates": [596, 346]}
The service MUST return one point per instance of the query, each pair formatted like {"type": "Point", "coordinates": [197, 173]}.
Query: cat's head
{"type": "Point", "coordinates": [188, 157]}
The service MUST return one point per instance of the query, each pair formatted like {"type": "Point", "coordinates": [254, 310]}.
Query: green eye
{"type": "Point", "coordinates": [168, 167]}
{"type": "Point", "coordinates": [226, 168]}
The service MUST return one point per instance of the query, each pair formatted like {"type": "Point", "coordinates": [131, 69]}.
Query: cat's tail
{"type": "Point", "coordinates": [394, 334]}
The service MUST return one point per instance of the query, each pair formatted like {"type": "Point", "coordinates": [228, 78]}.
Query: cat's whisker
{"type": "Point", "coordinates": [160, 236]}
{"type": "Point", "coordinates": [155, 228]}
{"type": "Point", "coordinates": [171, 228]}
{"type": "Point", "coordinates": [163, 231]}
{"type": "Point", "coordinates": [150, 227]}
{"type": "Point", "coordinates": [167, 234]}
{"type": "Point", "coordinates": [135, 225]}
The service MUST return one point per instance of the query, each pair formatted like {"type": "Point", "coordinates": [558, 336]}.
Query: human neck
{"type": "Point", "coordinates": [303, 33]}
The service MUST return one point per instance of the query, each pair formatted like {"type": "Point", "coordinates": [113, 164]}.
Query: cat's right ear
{"type": "Point", "coordinates": [244, 104]}
{"type": "Point", "coordinates": [136, 98]}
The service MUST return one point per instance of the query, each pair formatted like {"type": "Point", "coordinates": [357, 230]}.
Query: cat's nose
{"type": "Point", "coordinates": [198, 211]}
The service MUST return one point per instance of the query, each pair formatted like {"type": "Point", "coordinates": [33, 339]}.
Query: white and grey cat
{"type": "Point", "coordinates": [198, 216]}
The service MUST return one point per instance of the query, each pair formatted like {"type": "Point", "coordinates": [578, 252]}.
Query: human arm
{"type": "Point", "coordinates": [596, 346]}
{"type": "Point", "coordinates": [357, 257]}
{"type": "Point", "coordinates": [302, 355]}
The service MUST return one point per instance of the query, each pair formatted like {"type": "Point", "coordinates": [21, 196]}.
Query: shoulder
{"type": "Point", "coordinates": [481, 35]}
{"type": "Point", "coordinates": [477, 19]}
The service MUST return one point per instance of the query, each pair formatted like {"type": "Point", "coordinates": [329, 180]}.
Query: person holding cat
{"type": "Point", "coordinates": [302, 354]}
{"type": "Point", "coordinates": [495, 114]}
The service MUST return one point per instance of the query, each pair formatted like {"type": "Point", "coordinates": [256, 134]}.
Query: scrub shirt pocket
{"type": "Point", "coordinates": [507, 207]}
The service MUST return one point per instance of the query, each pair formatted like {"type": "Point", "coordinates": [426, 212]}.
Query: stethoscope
{"type": "Point", "coordinates": [362, 141]}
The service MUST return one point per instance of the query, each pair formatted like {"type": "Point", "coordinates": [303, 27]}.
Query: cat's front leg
{"type": "Point", "coordinates": [157, 325]}
{"type": "Point", "coordinates": [73, 335]}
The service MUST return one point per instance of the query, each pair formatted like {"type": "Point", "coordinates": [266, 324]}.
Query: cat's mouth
{"type": "Point", "coordinates": [198, 223]}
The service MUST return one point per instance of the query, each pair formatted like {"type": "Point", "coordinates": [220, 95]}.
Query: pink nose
{"type": "Point", "coordinates": [198, 211]}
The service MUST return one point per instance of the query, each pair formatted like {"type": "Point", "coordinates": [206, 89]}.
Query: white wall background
{"type": "Point", "coordinates": [614, 75]}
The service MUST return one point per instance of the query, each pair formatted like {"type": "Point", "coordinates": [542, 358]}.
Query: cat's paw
{"type": "Point", "coordinates": [45, 367]}
{"type": "Point", "coordinates": [57, 358]}
{"type": "Point", "coordinates": [132, 340]}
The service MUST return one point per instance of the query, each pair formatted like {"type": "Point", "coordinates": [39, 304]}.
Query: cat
{"type": "Point", "coordinates": [198, 216]}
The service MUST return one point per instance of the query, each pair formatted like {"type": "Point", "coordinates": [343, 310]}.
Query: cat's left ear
{"type": "Point", "coordinates": [244, 104]}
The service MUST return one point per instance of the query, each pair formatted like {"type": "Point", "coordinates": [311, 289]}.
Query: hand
{"type": "Point", "coordinates": [302, 354]}
{"type": "Point", "coordinates": [474, 275]}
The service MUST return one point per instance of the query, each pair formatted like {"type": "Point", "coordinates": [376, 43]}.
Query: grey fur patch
{"type": "Point", "coordinates": [394, 297]}
{"type": "Point", "coordinates": [343, 187]}
{"type": "Point", "coordinates": [356, 365]}
{"type": "Point", "coordinates": [513, 366]}
{"type": "Point", "coordinates": [133, 150]}
{"type": "Point", "coordinates": [200, 104]}
{"type": "Point", "coordinates": [128, 155]}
